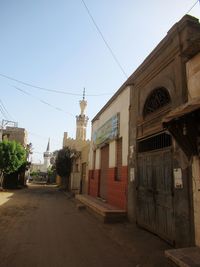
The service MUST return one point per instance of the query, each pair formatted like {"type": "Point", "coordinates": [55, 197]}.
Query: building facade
{"type": "Point", "coordinates": [160, 182]}
{"type": "Point", "coordinates": [108, 166]}
{"type": "Point", "coordinates": [184, 124]}
{"type": "Point", "coordinates": [193, 78]}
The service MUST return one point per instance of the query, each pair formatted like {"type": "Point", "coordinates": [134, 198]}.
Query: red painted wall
{"type": "Point", "coordinates": [94, 178]}
{"type": "Point", "coordinates": [116, 191]}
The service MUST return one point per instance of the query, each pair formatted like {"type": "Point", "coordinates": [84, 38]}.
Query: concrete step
{"type": "Point", "coordinates": [102, 210]}
{"type": "Point", "coordinates": [184, 257]}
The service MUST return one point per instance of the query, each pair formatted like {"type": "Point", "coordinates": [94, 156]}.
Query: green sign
{"type": "Point", "coordinates": [108, 131]}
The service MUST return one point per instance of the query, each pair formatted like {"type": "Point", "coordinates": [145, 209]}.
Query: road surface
{"type": "Point", "coordinates": [41, 227]}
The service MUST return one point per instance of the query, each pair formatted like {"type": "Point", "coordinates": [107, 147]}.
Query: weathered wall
{"type": "Point", "coordinates": [164, 67]}
{"type": "Point", "coordinates": [117, 190]}
{"type": "Point", "coordinates": [73, 143]}
{"type": "Point", "coordinates": [16, 134]}
{"type": "Point", "coordinates": [85, 160]}
{"type": "Point", "coordinates": [193, 76]}
{"type": "Point", "coordinates": [93, 188]}
{"type": "Point", "coordinates": [196, 197]}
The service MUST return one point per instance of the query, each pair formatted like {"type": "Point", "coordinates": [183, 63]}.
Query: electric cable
{"type": "Point", "coordinates": [42, 101]}
{"type": "Point", "coordinates": [3, 112]}
{"type": "Point", "coordinates": [5, 109]}
{"type": "Point", "coordinates": [104, 40]}
{"type": "Point", "coordinates": [193, 6]}
{"type": "Point", "coordinates": [48, 90]}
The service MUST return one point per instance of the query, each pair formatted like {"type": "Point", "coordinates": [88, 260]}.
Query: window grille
{"type": "Point", "coordinates": [156, 142]}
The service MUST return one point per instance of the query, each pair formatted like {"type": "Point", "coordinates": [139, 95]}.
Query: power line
{"type": "Point", "coordinates": [42, 101]}
{"type": "Point", "coordinates": [198, 1]}
{"type": "Point", "coordinates": [104, 40]}
{"type": "Point", "coordinates": [3, 112]}
{"type": "Point", "coordinates": [46, 89]}
{"type": "Point", "coordinates": [4, 108]}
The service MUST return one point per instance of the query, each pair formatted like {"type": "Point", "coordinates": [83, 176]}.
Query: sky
{"type": "Point", "coordinates": [68, 45]}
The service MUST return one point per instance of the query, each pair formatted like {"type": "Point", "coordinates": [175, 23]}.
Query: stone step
{"type": "Point", "coordinates": [103, 211]}
{"type": "Point", "coordinates": [184, 257]}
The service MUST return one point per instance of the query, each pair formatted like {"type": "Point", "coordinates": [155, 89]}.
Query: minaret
{"type": "Point", "coordinates": [81, 120]}
{"type": "Point", "coordinates": [47, 156]}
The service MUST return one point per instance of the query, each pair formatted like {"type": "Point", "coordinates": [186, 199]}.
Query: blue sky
{"type": "Point", "coordinates": [55, 45]}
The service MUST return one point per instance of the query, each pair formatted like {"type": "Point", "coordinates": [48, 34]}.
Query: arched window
{"type": "Point", "coordinates": [156, 100]}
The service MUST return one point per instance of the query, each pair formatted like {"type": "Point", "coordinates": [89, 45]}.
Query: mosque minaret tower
{"type": "Point", "coordinates": [47, 156]}
{"type": "Point", "coordinates": [81, 120]}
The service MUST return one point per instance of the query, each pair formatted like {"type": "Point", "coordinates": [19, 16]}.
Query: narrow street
{"type": "Point", "coordinates": [41, 227]}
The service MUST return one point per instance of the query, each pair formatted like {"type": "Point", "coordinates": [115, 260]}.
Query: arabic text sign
{"type": "Point", "coordinates": [108, 131]}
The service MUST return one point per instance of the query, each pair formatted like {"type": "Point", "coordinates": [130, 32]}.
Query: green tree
{"type": "Point", "coordinates": [12, 157]}
{"type": "Point", "coordinates": [63, 165]}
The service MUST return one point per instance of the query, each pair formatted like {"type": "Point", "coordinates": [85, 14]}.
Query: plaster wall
{"type": "Point", "coordinates": [119, 105]}
{"type": "Point", "coordinates": [193, 76]}
{"type": "Point", "coordinates": [98, 158]}
{"type": "Point", "coordinates": [74, 143]}
{"type": "Point", "coordinates": [84, 159]}
{"type": "Point", "coordinates": [112, 154]}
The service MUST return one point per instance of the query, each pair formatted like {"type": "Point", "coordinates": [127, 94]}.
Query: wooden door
{"type": "Point", "coordinates": [155, 208]}
{"type": "Point", "coordinates": [104, 171]}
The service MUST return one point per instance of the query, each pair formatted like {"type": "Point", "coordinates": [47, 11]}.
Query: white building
{"type": "Point", "coordinates": [46, 164]}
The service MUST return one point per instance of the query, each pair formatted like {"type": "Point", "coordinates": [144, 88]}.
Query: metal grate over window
{"type": "Point", "coordinates": [156, 142]}
{"type": "Point", "coordinates": [156, 100]}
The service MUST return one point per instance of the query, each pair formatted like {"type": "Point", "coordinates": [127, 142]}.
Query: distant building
{"type": "Point", "coordinates": [43, 167]}
{"type": "Point", "coordinates": [16, 134]}
{"type": "Point", "coordinates": [81, 126]}
{"type": "Point", "coordinates": [36, 167]}
{"type": "Point", "coordinates": [81, 120]}
{"type": "Point", "coordinates": [47, 156]}
{"type": "Point", "coordinates": [79, 175]}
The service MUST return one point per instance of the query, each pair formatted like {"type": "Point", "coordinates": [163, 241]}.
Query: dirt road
{"type": "Point", "coordinates": [41, 227]}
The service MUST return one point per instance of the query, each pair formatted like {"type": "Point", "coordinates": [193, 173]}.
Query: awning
{"type": "Point", "coordinates": [182, 110]}
{"type": "Point", "coordinates": [183, 123]}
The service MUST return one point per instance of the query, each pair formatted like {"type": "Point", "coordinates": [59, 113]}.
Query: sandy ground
{"type": "Point", "coordinates": [41, 227]}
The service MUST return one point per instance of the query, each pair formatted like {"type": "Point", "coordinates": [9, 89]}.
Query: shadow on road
{"type": "Point", "coordinates": [40, 226]}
